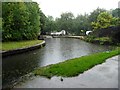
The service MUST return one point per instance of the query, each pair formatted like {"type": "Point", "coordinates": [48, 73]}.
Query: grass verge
{"type": "Point", "coordinates": [21, 44]}
{"type": "Point", "coordinates": [74, 67]}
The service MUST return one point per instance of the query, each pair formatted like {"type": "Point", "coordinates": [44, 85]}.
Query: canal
{"type": "Point", "coordinates": [56, 50]}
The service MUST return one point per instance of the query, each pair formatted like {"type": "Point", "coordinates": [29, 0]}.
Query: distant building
{"type": "Point", "coordinates": [88, 32]}
{"type": "Point", "coordinates": [63, 32]}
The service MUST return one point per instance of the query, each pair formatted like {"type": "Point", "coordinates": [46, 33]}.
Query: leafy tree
{"type": "Point", "coordinates": [34, 19]}
{"type": "Point", "coordinates": [21, 21]}
{"type": "Point", "coordinates": [78, 25]}
{"type": "Point", "coordinates": [82, 24]}
{"type": "Point", "coordinates": [12, 19]}
{"type": "Point", "coordinates": [42, 21]}
{"type": "Point", "coordinates": [0, 9]}
{"type": "Point", "coordinates": [93, 15]}
{"type": "Point", "coordinates": [50, 25]}
{"type": "Point", "coordinates": [104, 20]}
{"type": "Point", "coordinates": [0, 29]}
{"type": "Point", "coordinates": [116, 12]}
{"type": "Point", "coordinates": [66, 22]}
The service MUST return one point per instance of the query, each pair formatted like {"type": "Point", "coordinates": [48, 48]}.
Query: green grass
{"type": "Point", "coordinates": [104, 39]}
{"type": "Point", "coordinates": [100, 40]}
{"type": "Point", "coordinates": [21, 44]}
{"type": "Point", "coordinates": [74, 67]}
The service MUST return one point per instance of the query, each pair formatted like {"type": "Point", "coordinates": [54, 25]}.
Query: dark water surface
{"type": "Point", "coordinates": [56, 50]}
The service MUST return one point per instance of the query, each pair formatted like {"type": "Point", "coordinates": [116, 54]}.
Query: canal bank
{"type": "Point", "coordinates": [76, 66]}
{"type": "Point", "coordinates": [101, 76]}
{"type": "Point", "coordinates": [22, 50]}
{"type": "Point", "coordinates": [76, 37]}
{"type": "Point", "coordinates": [90, 39]}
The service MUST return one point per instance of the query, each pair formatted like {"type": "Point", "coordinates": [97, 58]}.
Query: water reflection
{"type": "Point", "coordinates": [56, 50]}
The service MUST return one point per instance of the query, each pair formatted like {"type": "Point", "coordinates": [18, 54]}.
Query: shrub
{"type": "Point", "coordinates": [21, 21]}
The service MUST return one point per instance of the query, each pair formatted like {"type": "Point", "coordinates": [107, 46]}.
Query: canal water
{"type": "Point", "coordinates": [56, 50]}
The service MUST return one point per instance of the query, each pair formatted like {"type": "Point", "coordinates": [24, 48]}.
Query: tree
{"type": "Point", "coordinates": [104, 20]}
{"type": "Point", "coordinates": [21, 21]}
{"type": "Point", "coordinates": [42, 21]}
{"type": "Point", "coordinates": [77, 25]}
{"type": "Point", "coordinates": [50, 25]}
{"type": "Point", "coordinates": [65, 22]}
{"type": "Point", "coordinates": [0, 29]}
{"type": "Point", "coordinates": [13, 14]}
{"type": "Point", "coordinates": [82, 24]}
{"type": "Point", "coordinates": [116, 13]}
{"type": "Point", "coordinates": [34, 20]}
{"type": "Point", "coordinates": [93, 15]}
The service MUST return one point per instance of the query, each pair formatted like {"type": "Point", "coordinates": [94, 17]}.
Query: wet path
{"type": "Point", "coordinates": [101, 76]}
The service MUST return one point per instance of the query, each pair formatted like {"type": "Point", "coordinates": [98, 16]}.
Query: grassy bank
{"type": "Point", "coordinates": [74, 67]}
{"type": "Point", "coordinates": [99, 40]}
{"type": "Point", "coordinates": [21, 44]}
{"type": "Point", "coordinates": [102, 40]}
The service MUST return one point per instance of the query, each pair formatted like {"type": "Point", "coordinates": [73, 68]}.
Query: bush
{"type": "Point", "coordinates": [21, 21]}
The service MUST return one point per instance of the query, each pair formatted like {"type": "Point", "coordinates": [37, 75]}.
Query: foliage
{"type": "Point", "coordinates": [93, 15]}
{"type": "Point", "coordinates": [89, 38]}
{"type": "Point", "coordinates": [21, 44]}
{"type": "Point", "coordinates": [104, 40]}
{"type": "Point", "coordinates": [42, 21]}
{"type": "Point", "coordinates": [116, 12]}
{"type": "Point", "coordinates": [80, 24]}
{"type": "Point", "coordinates": [65, 22]}
{"type": "Point", "coordinates": [74, 25]}
{"type": "Point", "coordinates": [21, 21]}
{"type": "Point", "coordinates": [104, 20]}
{"type": "Point", "coordinates": [74, 67]}
{"type": "Point", "coordinates": [50, 25]}
{"type": "Point", "coordinates": [0, 24]}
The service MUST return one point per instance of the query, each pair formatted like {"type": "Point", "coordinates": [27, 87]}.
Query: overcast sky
{"type": "Point", "coordinates": [56, 7]}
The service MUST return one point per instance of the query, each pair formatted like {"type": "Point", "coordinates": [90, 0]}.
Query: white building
{"type": "Point", "coordinates": [63, 32]}
{"type": "Point", "coordinates": [88, 32]}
